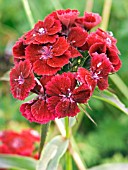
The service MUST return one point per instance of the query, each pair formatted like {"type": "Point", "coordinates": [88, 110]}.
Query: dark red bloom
{"type": "Point", "coordinates": [67, 17]}
{"type": "Point", "coordinates": [104, 37]}
{"type": "Point", "coordinates": [37, 109]}
{"type": "Point", "coordinates": [21, 80]}
{"type": "Point", "coordinates": [44, 31]}
{"type": "Point", "coordinates": [102, 42]}
{"type": "Point", "coordinates": [18, 143]}
{"type": "Point", "coordinates": [100, 68]}
{"type": "Point", "coordinates": [114, 59]}
{"type": "Point", "coordinates": [89, 20]}
{"type": "Point", "coordinates": [19, 49]}
{"type": "Point", "coordinates": [76, 37]}
{"type": "Point", "coordinates": [84, 76]}
{"type": "Point", "coordinates": [47, 60]}
{"type": "Point", "coordinates": [64, 96]}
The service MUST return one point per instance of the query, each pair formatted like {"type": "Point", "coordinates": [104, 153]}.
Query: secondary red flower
{"type": "Point", "coordinates": [101, 36]}
{"type": "Point", "coordinates": [47, 60]}
{"type": "Point", "coordinates": [37, 109]}
{"type": "Point", "coordinates": [67, 17]}
{"type": "Point", "coordinates": [19, 143]}
{"type": "Point", "coordinates": [43, 31]}
{"type": "Point", "coordinates": [21, 80]}
{"type": "Point", "coordinates": [100, 68]}
{"type": "Point", "coordinates": [84, 76]}
{"type": "Point", "coordinates": [64, 96]}
{"type": "Point", "coordinates": [89, 20]}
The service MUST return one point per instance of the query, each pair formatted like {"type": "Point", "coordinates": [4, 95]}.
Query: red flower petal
{"type": "Point", "coordinates": [48, 22]}
{"type": "Point", "coordinates": [102, 83]}
{"type": "Point", "coordinates": [41, 113]}
{"type": "Point", "coordinates": [55, 28]}
{"type": "Point", "coordinates": [59, 61]}
{"type": "Point", "coordinates": [85, 77]}
{"type": "Point", "coordinates": [114, 59]}
{"type": "Point", "coordinates": [19, 49]}
{"type": "Point", "coordinates": [77, 36]}
{"type": "Point", "coordinates": [74, 52]}
{"type": "Point", "coordinates": [81, 94]}
{"type": "Point", "coordinates": [52, 102]}
{"type": "Point", "coordinates": [100, 65]}
{"type": "Point", "coordinates": [46, 38]}
{"type": "Point", "coordinates": [60, 46]}
{"type": "Point", "coordinates": [58, 85]}
{"type": "Point", "coordinates": [67, 17]}
{"type": "Point", "coordinates": [91, 20]}
{"type": "Point", "coordinates": [42, 68]}
{"type": "Point", "coordinates": [66, 108]}
{"type": "Point", "coordinates": [97, 47]}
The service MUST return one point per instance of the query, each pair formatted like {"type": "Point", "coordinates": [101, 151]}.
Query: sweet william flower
{"type": "Point", "coordinates": [37, 109]}
{"type": "Point", "coordinates": [48, 59]}
{"type": "Point", "coordinates": [22, 80]}
{"type": "Point", "coordinates": [43, 31]}
{"type": "Point", "coordinates": [99, 71]}
{"type": "Point", "coordinates": [66, 17]}
{"type": "Point", "coordinates": [89, 20]}
{"type": "Point", "coordinates": [64, 96]}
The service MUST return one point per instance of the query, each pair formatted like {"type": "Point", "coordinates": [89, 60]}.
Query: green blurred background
{"type": "Point", "coordinates": [108, 142]}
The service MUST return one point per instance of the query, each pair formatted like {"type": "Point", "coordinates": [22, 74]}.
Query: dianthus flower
{"type": "Point", "coordinates": [62, 62]}
{"type": "Point", "coordinates": [22, 80]}
{"type": "Point", "coordinates": [64, 96]}
{"type": "Point", "coordinates": [19, 143]}
{"type": "Point", "coordinates": [37, 109]}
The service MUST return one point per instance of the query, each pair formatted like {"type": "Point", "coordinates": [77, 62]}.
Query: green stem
{"type": "Point", "coordinates": [68, 155]}
{"type": "Point", "coordinates": [67, 127]}
{"type": "Point", "coordinates": [44, 130]}
{"type": "Point", "coordinates": [106, 14]}
{"type": "Point", "coordinates": [28, 12]}
{"type": "Point", "coordinates": [89, 5]}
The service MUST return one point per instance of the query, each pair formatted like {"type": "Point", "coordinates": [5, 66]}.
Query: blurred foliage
{"type": "Point", "coordinates": [108, 142]}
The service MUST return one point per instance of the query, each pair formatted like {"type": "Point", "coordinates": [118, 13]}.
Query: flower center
{"type": "Point", "coordinates": [16, 143]}
{"type": "Point", "coordinates": [108, 41]}
{"type": "Point", "coordinates": [20, 79]}
{"type": "Point", "coordinates": [67, 96]}
{"type": "Point", "coordinates": [46, 53]}
{"type": "Point", "coordinates": [41, 31]}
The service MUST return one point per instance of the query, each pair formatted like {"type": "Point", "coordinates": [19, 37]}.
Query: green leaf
{"type": "Point", "coordinates": [17, 162]}
{"type": "Point", "coordinates": [112, 99]}
{"type": "Point", "coordinates": [114, 166]}
{"type": "Point", "coordinates": [44, 131]}
{"type": "Point", "coordinates": [52, 153]}
{"type": "Point", "coordinates": [5, 77]}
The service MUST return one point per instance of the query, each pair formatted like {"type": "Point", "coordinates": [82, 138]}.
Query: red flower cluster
{"type": "Point", "coordinates": [51, 61]}
{"type": "Point", "coordinates": [19, 143]}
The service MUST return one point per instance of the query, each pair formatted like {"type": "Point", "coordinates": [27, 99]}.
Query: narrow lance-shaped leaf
{"type": "Point", "coordinates": [17, 162]}
{"type": "Point", "coordinates": [44, 130]}
{"type": "Point", "coordinates": [111, 99]}
{"type": "Point", "coordinates": [52, 153]}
